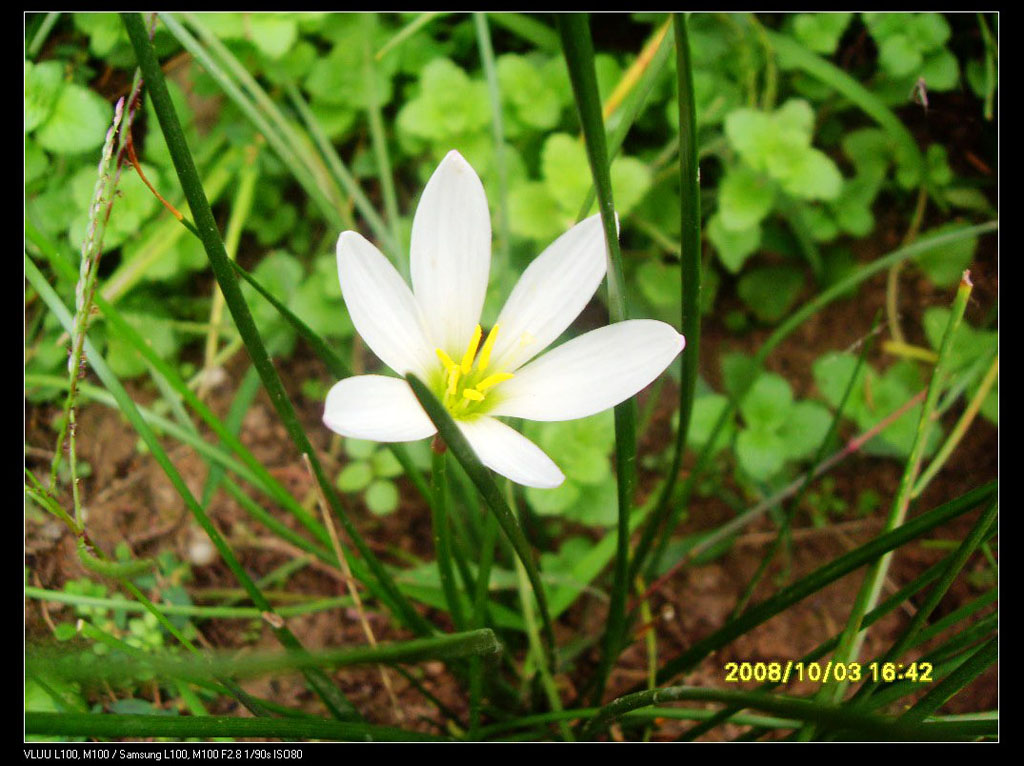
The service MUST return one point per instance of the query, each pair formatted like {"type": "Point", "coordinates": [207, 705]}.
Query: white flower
{"type": "Point", "coordinates": [433, 332]}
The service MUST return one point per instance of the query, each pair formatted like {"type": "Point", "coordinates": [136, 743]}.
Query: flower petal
{"type": "Point", "coordinates": [505, 450]}
{"type": "Point", "coordinates": [590, 373]}
{"type": "Point", "coordinates": [378, 408]}
{"type": "Point", "coordinates": [450, 253]}
{"type": "Point", "coordinates": [382, 307]}
{"type": "Point", "coordinates": [550, 294]}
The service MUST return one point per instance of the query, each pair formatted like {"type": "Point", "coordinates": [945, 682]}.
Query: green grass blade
{"type": "Point", "coordinates": [476, 643]}
{"type": "Point", "coordinates": [825, 716]}
{"type": "Point", "coordinates": [867, 596]}
{"type": "Point", "coordinates": [690, 273]}
{"type": "Point", "coordinates": [214, 246]}
{"type": "Point", "coordinates": [937, 696]}
{"type": "Point", "coordinates": [578, 49]}
{"type": "Point", "coordinates": [957, 561]}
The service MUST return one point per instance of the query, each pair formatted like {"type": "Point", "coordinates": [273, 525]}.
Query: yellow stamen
{"type": "Point", "coordinates": [485, 352]}
{"type": "Point", "coordinates": [492, 380]}
{"type": "Point", "coordinates": [445, 359]}
{"type": "Point", "coordinates": [473, 395]}
{"type": "Point", "coordinates": [453, 379]}
{"type": "Point", "coordinates": [467, 358]}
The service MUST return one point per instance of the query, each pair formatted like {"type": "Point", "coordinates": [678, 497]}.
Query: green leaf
{"type": "Point", "coordinates": [760, 453]}
{"type": "Point", "coordinates": [968, 345]}
{"type": "Point", "coordinates": [355, 477]}
{"type": "Point", "coordinates": [565, 170]}
{"type": "Point", "coordinates": [631, 180]}
{"type": "Point", "coordinates": [449, 104]}
{"type": "Point", "coordinates": [821, 31]}
{"type": "Point", "coordinates": [360, 449]}
{"type": "Point", "coordinates": [733, 247]}
{"type": "Point", "coordinates": [944, 264]}
{"type": "Point", "coordinates": [385, 464]}
{"type": "Point", "coordinates": [381, 497]}
{"type": "Point", "coordinates": [941, 71]}
{"type": "Point", "coordinates": [78, 122]}
{"type": "Point", "coordinates": [768, 403]}
{"type": "Point", "coordinates": [273, 33]}
{"type": "Point", "coordinates": [804, 429]}
{"type": "Point", "coordinates": [553, 502]}
{"type": "Point", "coordinates": [43, 82]}
{"type": "Point", "coordinates": [122, 357]}
{"type": "Point", "coordinates": [769, 292]}
{"type": "Point", "coordinates": [706, 411]}
{"type": "Point", "coordinates": [744, 199]}
{"type": "Point", "coordinates": [808, 174]}
{"type": "Point", "coordinates": [659, 282]}
{"type": "Point", "coordinates": [534, 213]}
{"type": "Point", "coordinates": [929, 30]}
{"type": "Point", "coordinates": [105, 31]}
{"type": "Point", "coordinates": [533, 101]}
{"type": "Point", "coordinates": [899, 55]}
{"type": "Point", "coordinates": [738, 372]}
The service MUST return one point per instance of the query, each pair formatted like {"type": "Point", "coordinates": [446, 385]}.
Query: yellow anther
{"type": "Point", "coordinates": [492, 380]}
{"type": "Point", "coordinates": [474, 343]}
{"type": "Point", "coordinates": [485, 352]}
{"type": "Point", "coordinates": [445, 359]}
{"type": "Point", "coordinates": [473, 395]}
{"type": "Point", "coordinates": [453, 379]}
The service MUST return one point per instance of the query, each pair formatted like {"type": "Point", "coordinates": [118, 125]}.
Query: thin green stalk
{"type": "Point", "coordinates": [937, 696]}
{"type": "Point", "coordinates": [578, 49]}
{"type": "Point", "coordinates": [631, 109]}
{"type": "Point", "coordinates": [380, 143]}
{"type": "Point", "coordinates": [547, 682]}
{"type": "Point", "coordinates": [958, 430]}
{"type": "Point", "coordinates": [443, 540]}
{"type": "Point", "coordinates": [343, 176]}
{"type": "Point", "coordinates": [255, 106]}
{"type": "Point", "coordinates": [867, 597]}
{"type": "Point", "coordinates": [406, 32]}
{"type": "Point", "coordinates": [816, 464]}
{"type": "Point", "coordinates": [488, 489]}
{"type": "Point", "coordinates": [480, 643]}
{"type": "Point", "coordinates": [42, 33]}
{"type": "Point", "coordinates": [483, 579]}
{"type": "Point", "coordinates": [207, 227]}
{"type": "Point", "coordinates": [826, 716]}
{"type": "Point", "coordinates": [991, 55]}
{"type": "Point", "coordinates": [924, 611]}
{"type": "Point", "coordinates": [483, 40]}
{"type": "Point", "coordinates": [188, 610]}
{"type": "Point", "coordinates": [241, 207]}
{"type": "Point", "coordinates": [690, 275]}
{"type": "Point", "coordinates": [531, 30]}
